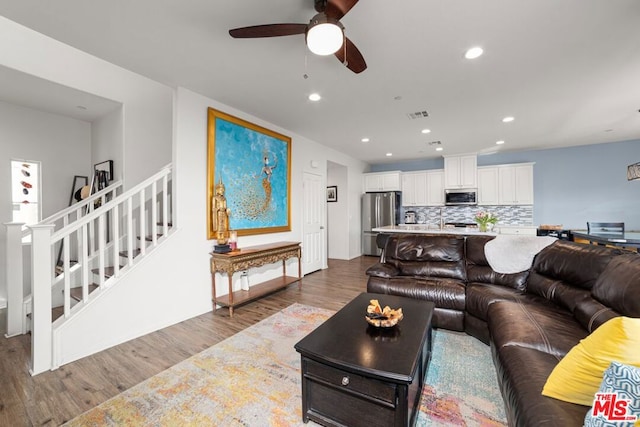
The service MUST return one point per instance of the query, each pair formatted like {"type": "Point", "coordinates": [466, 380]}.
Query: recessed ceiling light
{"type": "Point", "coordinates": [426, 131]}
{"type": "Point", "coordinates": [365, 140]}
{"type": "Point", "coordinates": [389, 154]}
{"type": "Point", "coordinates": [499, 142]}
{"type": "Point", "coordinates": [473, 53]}
{"type": "Point", "coordinates": [439, 149]}
{"type": "Point", "coordinates": [315, 97]}
{"type": "Point", "coordinates": [508, 119]}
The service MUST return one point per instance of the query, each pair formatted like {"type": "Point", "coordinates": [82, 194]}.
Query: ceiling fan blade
{"type": "Point", "coordinates": [336, 9]}
{"type": "Point", "coordinates": [269, 30]}
{"type": "Point", "coordinates": [354, 61]}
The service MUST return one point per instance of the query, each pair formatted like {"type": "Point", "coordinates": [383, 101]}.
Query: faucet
{"type": "Point", "coordinates": [441, 220]}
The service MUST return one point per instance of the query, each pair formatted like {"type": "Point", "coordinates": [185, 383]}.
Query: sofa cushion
{"type": "Point", "coordinates": [532, 322]}
{"type": "Point", "coordinates": [479, 270]}
{"type": "Point", "coordinates": [566, 271]}
{"type": "Point", "coordinates": [481, 295]}
{"type": "Point", "coordinates": [427, 256]}
{"type": "Point", "coordinates": [382, 270]}
{"type": "Point", "coordinates": [591, 313]}
{"type": "Point", "coordinates": [579, 374]}
{"type": "Point", "coordinates": [522, 373]}
{"type": "Point", "coordinates": [445, 293]}
{"type": "Point", "coordinates": [619, 285]}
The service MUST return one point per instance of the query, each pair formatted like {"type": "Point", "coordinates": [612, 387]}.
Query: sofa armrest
{"type": "Point", "coordinates": [382, 270]}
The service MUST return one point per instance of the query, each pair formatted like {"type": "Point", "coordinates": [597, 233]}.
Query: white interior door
{"type": "Point", "coordinates": [313, 241]}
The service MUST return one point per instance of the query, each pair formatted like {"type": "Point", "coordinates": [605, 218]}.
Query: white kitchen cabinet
{"type": "Point", "coordinates": [516, 184]}
{"type": "Point", "coordinates": [510, 184]}
{"type": "Point", "coordinates": [524, 230]}
{"type": "Point", "coordinates": [382, 181]}
{"type": "Point", "coordinates": [435, 187]}
{"type": "Point", "coordinates": [488, 187]}
{"type": "Point", "coordinates": [461, 171]}
{"type": "Point", "coordinates": [414, 188]}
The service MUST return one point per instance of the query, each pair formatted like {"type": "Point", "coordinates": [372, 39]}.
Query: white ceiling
{"type": "Point", "coordinates": [32, 92]}
{"type": "Point", "coordinates": [568, 70]}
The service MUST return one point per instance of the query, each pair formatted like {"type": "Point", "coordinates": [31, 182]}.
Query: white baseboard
{"type": "Point", "coordinates": [3, 303]}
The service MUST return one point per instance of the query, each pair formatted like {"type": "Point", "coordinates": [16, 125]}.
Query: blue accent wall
{"type": "Point", "coordinates": [571, 185]}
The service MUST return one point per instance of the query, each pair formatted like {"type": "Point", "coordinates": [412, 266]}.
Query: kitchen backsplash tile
{"type": "Point", "coordinates": [507, 215]}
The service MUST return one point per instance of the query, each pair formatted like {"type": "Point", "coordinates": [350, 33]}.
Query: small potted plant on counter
{"type": "Point", "coordinates": [485, 220]}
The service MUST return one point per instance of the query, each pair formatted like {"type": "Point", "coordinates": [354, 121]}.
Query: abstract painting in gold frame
{"type": "Point", "coordinates": [254, 164]}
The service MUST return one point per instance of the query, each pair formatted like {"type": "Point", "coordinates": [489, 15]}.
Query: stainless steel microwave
{"type": "Point", "coordinates": [467, 196]}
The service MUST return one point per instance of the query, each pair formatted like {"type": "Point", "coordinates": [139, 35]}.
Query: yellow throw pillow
{"type": "Point", "coordinates": [577, 377]}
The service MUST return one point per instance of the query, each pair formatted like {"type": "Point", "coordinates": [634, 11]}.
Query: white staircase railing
{"type": "Point", "coordinates": [103, 243]}
{"type": "Point", "coordinates": [18, 235]}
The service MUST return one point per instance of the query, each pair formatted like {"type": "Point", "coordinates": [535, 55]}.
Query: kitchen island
{"type": "Point", "coordinates": [430, 229]}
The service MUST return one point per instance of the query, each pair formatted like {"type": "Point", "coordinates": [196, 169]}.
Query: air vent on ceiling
{"type": "Point", "coordinates": [418, 114]}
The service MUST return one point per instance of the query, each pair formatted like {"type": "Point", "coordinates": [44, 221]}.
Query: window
{"type": "Point", "coordinates": [25, 191]}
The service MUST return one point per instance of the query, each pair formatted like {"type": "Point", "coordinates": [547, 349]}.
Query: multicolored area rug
{"type": "Point", "coordinates": [253, 379]}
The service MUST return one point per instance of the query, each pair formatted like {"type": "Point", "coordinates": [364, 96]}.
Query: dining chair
{"type": "Point", "coordinates": [605, 227]}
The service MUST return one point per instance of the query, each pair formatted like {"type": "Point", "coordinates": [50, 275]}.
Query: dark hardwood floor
{"type": "Point", "coordinates": [52, 398]}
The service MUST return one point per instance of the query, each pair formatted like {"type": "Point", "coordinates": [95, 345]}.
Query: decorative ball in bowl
{"type": "Point", "coordinates": [382, 317]}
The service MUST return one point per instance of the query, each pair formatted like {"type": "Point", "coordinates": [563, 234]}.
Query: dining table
{"type": "Point", "coordinates": [627, 239]}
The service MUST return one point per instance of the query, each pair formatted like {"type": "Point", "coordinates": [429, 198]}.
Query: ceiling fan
{"type": "Point", "coordinates": [324, 34]}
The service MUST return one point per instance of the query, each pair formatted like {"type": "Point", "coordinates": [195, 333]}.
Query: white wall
{"type": "Point", "coordinates": [337, 212]}
{"type": "Point", "coordinates": [107, 141]}
{"type": "Point", "coordinates": [61, 144]}
{"type": "Point", "coordinates": [190, 164]}
{"type": "Point", "coordinates": [148, 113]}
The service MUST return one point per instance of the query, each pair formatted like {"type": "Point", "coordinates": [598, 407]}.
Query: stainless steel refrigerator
{"type": "Point", "coordinates": [378, 210]}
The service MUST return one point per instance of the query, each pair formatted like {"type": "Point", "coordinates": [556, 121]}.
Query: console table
{"type": "Point", "coordinates": [254, 256]}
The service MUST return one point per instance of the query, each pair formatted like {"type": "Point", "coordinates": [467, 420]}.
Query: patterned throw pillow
{"type": "Point", "coordinates": [617, 402]}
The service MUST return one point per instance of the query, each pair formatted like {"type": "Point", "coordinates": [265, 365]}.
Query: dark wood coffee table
{"type": "Point", "coordinates": [356, 375]}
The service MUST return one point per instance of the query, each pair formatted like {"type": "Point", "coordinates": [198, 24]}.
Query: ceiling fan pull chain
{"type": "Point", "coordinates": [344, 50]}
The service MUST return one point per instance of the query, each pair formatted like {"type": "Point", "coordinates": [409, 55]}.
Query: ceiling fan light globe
{"type": "Point", "coordinates": [325, 38]}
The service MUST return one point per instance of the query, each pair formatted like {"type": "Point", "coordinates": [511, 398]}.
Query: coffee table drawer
{"type": "Point", "coordinates": [339, 379]}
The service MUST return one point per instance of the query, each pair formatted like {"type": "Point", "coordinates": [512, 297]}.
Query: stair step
{"type": "Point", "coordinates": [125, 254]}
{"type": "Point", "coordinates": [56, 312]}
{"type": "Point", "coordinates": [108, 271]}
{"type": "Point", "coordinates": [150, 238]}
{"type": "Point", "coordinates": [76, 293]}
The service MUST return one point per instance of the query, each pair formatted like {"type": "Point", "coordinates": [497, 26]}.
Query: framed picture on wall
{"type": "Point", "coordinates": [332, 193]}
{"type": "Point", "coordinates": [254, 166]}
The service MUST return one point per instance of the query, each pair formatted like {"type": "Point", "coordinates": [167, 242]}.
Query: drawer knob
{"type": "Point", "coordinates": [345, 381]}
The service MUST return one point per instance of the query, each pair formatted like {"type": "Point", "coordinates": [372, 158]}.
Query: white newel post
{"type": "Point", "coordinates": [42, 276]}
{"type": "Point", "coordinates": [14, 279]}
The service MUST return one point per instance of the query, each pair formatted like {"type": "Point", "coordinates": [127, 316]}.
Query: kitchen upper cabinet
{"type": "Point", "coordinates": [414, 188]}
{"type": "Point", "coordinates": [382, 181]}
{"type": "Point", "coordinates": [461, 171]}
{"type": "Point", "coordinates": [516, 184]}
{"type": "Point", "coordinates": [506, 184]}
{"type": "Point", "coordinates": [435, 188]}
{"type": "Point", "coordinates": [488, 187]}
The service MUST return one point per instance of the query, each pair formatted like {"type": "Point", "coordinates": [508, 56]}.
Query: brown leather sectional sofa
{"type": "Point", "coordinates": [531, 319]}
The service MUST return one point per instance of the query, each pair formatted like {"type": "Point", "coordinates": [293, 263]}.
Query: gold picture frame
{"type": "Point", "coordinates": [254, 164]}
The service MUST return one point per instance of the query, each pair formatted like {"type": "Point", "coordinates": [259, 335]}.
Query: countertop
{"type": "Point", "coordinates": [425, 229]}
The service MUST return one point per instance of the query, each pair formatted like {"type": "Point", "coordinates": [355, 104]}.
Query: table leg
{"type": "Point", "coordinates": [299, 270]}
{"type": "Point", "coordinates": [213, 288]}
{"type": "Point", "coordinates": [230, 275]}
